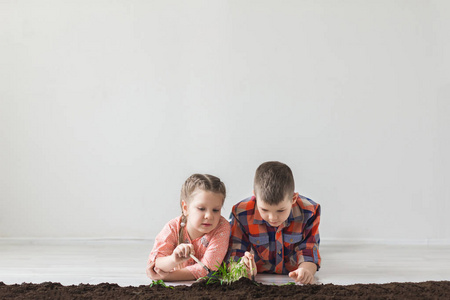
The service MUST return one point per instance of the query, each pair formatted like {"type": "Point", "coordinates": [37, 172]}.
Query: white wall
{"type": "Point", "coordinates": [107, 106]}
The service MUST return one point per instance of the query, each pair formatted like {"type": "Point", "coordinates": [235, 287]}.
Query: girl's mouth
{"type": "Point", "coordinates": [206, 224]}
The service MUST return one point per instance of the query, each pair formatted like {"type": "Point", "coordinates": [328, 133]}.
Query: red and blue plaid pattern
{"type": "Point", "coordinates": [277, 250]}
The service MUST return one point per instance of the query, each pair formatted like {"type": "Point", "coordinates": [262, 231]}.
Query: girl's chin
{"type": "Point", "coordinates": [206, 227]}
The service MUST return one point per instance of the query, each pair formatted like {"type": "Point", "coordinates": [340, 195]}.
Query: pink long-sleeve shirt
{"type": "Point", "coordinates": [210, 248]}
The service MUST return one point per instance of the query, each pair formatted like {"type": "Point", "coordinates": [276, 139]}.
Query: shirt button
{"type": "Point", "coordinates": [257, 241]}
{"type": "Point", "coordinates": [279, 252]}
{"type": "Point", "coordinates": [291, 240]}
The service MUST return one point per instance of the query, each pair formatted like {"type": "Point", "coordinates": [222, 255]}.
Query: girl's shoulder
{"type": "Point", "coordinates": [174, 224]}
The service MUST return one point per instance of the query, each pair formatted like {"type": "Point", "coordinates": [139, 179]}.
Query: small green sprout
{"type": "Point", "coordinates": [160, 283]}
{"type": "Point", "coordinates": [227, 275]}
{"type": "Point", "coordinates": [282, 284]}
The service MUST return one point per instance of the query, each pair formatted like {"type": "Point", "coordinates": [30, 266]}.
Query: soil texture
{"type": "Point", "coordinates": [242, 289]}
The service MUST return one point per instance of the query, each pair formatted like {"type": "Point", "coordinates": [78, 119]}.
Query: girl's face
{"type": "Point", "coordinates": [202, 212]}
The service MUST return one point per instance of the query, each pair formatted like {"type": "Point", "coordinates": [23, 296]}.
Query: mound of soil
{"type": "Point", "coordinates": [242, 289]}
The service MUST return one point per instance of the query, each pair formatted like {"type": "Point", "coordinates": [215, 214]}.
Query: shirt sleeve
{"type": "Point", "coordinates": [239, 242]}
{"type": "Point", "coordinates": [165, 242]}
{"type": "Point", "coordinates": [308, 250]}
{"type": "Point", "coordinates": [215, 252]}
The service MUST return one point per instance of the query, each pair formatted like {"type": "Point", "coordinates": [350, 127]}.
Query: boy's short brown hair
{"type": "Point", "coordinates": [273, 181]}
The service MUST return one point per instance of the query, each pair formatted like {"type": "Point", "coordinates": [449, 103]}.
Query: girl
{"type": "Point", "coordinates": [200, 231]}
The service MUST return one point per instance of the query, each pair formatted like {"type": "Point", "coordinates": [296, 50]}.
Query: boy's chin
{"type": "Point", "coordinates": [275, 224]}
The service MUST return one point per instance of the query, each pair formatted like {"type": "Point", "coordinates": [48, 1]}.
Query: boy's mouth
{"type": "Point", "coordinates": [206, 224]}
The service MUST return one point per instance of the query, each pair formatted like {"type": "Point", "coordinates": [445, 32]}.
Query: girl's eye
{"type": "Point", "coordinates": [216, 210]}
{"type": "Point", "coordinates": [280, 211]}
{"type": "Point", "coordinates": [201, 208]}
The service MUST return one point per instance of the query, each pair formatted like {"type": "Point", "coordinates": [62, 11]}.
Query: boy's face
{"type": "Point", "coordinates": [276, 214]}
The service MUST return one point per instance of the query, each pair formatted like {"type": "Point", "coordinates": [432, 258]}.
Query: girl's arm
{"type": "Point", "coordinates": [216, 250]}
{"type": "Point", "coordinates": [183, 274]}
{"type": "Point", "coordinates": [179, 255]}
{"type": "Point", "coordinates": [157, 274]}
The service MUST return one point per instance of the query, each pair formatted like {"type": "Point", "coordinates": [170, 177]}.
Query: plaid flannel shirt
{"type": "Point", "coordinates": [277, 250]}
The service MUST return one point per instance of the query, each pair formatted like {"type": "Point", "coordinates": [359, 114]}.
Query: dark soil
{"type": "Point", "coordinates": [243, 289]}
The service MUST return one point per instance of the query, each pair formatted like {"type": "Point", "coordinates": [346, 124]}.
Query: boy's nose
{"type": "Point", "coordinates": [272, 218]}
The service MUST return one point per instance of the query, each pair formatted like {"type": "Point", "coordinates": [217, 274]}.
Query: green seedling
{"type": "Point", "coordinates": [160, 283]}
{"type": "Point", "coordinates": [287, 283]}
{"type": "Point", "coordinates": [227, 275]}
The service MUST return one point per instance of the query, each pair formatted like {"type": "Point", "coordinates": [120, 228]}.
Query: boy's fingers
{"type": "Point", "coordinates": [245, 261]}
{"type": "Point", "coordinates": [248, 255]}
{"type": "Point", "coordinates": [294, 275]}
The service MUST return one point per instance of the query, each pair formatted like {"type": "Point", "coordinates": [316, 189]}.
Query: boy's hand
{"type": "Point", "coordinates": [246, 259]}
{"type": "Point", "coordinates": [181, 253]}
{"type": "Point", "coordinates": [303, 276]}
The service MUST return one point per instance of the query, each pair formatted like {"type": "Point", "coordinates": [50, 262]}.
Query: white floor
{"type": "Point", "coordinates": [123, 262]}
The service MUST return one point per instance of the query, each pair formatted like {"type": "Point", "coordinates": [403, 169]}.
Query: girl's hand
{"type": "Point", "coordinates": [155, 273]}
{"type": "Point", "coordinates": [303, 276]}
{"type": "Point", "coordinates": [251, 267]}
{"type": "Point", "coordinates": [181, 253]}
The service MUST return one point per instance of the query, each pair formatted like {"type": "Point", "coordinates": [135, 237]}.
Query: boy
{"type": "Point", "coordinates": [276, 230]}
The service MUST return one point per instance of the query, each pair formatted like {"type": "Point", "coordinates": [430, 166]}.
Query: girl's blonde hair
{"type": "Point", "coordinates": [204, 182]}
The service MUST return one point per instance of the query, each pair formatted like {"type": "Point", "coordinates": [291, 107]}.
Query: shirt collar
{"type": "Point", "coordinates": [257, 219]}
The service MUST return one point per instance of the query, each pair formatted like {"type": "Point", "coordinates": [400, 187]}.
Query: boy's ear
{"type": "Point", "coordinates": [294, 198]}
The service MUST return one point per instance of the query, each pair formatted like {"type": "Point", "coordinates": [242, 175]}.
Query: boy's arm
{"type": "Point", "coordinates": [308, 250]}
{"type": "Point", "coordinates": [239, 242]}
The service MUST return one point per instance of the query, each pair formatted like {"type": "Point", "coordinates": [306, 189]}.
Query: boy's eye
{"type": "Point", "coordinates": [216, 210]}
{"type": "Point", "coordinates": [280, 210]}
{"type": "Point", "coordinates": [200, 208]}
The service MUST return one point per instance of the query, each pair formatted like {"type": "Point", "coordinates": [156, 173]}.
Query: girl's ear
{"type": "Point", "coordinates": [184, 207]}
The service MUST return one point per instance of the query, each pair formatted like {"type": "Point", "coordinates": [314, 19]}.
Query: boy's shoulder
{"type": "Point", "coordinates": [307, 204]}
{"type": "Point", "coordinates": [305, 209]}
